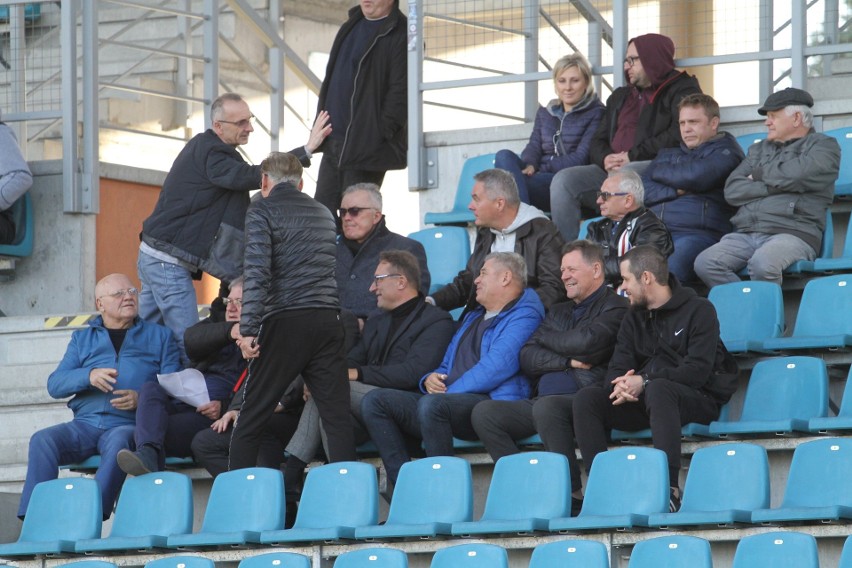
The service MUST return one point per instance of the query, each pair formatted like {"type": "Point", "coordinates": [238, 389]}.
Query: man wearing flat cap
{"type": "Point", "coordinates": [783, 189]}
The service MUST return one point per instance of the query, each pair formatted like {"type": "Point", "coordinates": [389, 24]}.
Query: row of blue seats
{"type": "Point", "coordinates": [681, 551]}
{"type": "Point", "coordinates": [529, 492]}
{"type": "Point", "coordinates": [460, 215]}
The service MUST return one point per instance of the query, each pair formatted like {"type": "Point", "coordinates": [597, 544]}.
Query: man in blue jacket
{"type": "Point", "coordinates": [685, 186]}
{"type": "Point", "coordinates": [481, 362]}
{"type": "Point", "coordinates": [103, 369]}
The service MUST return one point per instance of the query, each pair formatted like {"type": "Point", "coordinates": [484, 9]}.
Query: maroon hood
{"type": "Point", "coordinates": [656, 52]}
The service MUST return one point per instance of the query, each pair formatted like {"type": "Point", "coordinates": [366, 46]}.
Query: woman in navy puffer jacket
{"type": "Point", "coordinates": [561, 135]}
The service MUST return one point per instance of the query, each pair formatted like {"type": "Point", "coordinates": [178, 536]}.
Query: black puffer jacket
{"type": "Point", "coordinates": [289, 258]}
{"type": "Point", "coordinates": [642, 226]}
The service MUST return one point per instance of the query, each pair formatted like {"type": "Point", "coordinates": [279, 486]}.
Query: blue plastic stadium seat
{"type": "Point", "coordinates": [823, 320]}
{"type": "Point", "coordinates": [460, 214]}
{"type": "Point", "coordinates": [777, 549]}
{"type": "Point", "coordinates": [843, 420]}
{"type": "Point", "coordinates": [60, 512]}
{"type": "Point", "coordinates": [430, 495]}
{"type": "Point", "coordinates": [527, 489]}
{"type": "Point", "coordinates": [746, 140]}
{"type": "Point", "coordinates": [644, 470]}
{"type": "Point", "coordinates": [584, 226]}
{"type": "Point", "coordinates": [826, 249]}
{"type": "Point", "coordinates": [749, 313]}
{"type": "Point", "coordinates": [22, 214]}
{"type": "Point", "coordinates": [447, 253]}
{"type": "Point", "coordinates": [242, 503]}
{"type": "Point", "coordinates": [150, 508]}
{"type": "Point", "coordinates": [32, 13]}
{"type": "Point", "coordinates": [276, 560]}
{"type": "Point", "coordinates": [842, 263]}
{"type": "Point", "coordinates": [691, 430]}
{"type": "Point", "coordinates": [843, 185]}
{"type": "Point", "coordinates": [818, 486]}
{"type": "Point", "coordinates": [92, 463]}
{"type": "Point", "coordinates": [570, 554]}
{"type": "Point", "coordinates": [783, 394]}
{"type": "Point", "coordinates": [369, 557]}
{"type": "Point", "coordinates": [846, 555]}
{"type": "Point", "coordinates": [671, 552]}
{"type": "Point", "coordinates": [724, 485]}
{"type": "Point", "coordinates": [181, 562]}
{"type": "Point", "coordinates": [471, 556]}
{"type": "Point", "coordinates": [337, 498]}
{"type": "Point", "coordinates": [90, 564]}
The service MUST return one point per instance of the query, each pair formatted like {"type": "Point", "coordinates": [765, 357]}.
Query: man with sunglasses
{"type": "Point", "coordinates": [627, 222]}
{"type": "Point", "coordinates": [103, 370]}
{"type": "Point", "coordinates": [365, 236]}
{"type": "Point", "coordinates": [197, 223]}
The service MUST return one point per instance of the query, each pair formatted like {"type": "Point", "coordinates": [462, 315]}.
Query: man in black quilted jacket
{"type": "Point", "coordinates": [290, 323]}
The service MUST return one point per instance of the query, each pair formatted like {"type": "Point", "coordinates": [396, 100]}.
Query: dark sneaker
{"type": "Point", "coordinates": [674, 500]}
{"type": "Point", "coordinates": [140, 462]}
{"type": "Point", "coordinates": [576, 506]}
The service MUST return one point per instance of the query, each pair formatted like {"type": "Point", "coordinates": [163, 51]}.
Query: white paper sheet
{"type": "Point", "coordinates": [187, 386]}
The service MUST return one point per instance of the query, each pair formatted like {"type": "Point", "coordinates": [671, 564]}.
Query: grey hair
{"type": "Point", "coordinates": [216, 107]}
{"type": "Point", "coordinates": [499, 183]}
{"type": "Point", "coordinates": [281, 166]}
{"type": "Point", "coordinates": [513, 262]}
{"type": "Point", "coordinates": [238, 281]}
{"type": "Point", "coordinates": [372, 191]}
{"type": "Point", "coordinates": [807, 114]}
{"type": "Point", "coordinates": [630, 182]}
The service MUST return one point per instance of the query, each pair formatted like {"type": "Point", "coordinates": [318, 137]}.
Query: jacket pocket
{"type": "Point", "coordinates": [225, 257]}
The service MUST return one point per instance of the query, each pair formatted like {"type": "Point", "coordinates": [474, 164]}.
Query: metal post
{"type": "Point", "coordinates": [595, 52]}
{"type": "Point", "coordinates": [799, 62]}
{"type": "Point", "coordinates": [68, 43]}
{"type": "Point", "coordinates": [211, 56]}
{"type": "Point", "coordinates": [832, 33]}
{"type": "Point", "coordinates": [90, 182]}
{"type": "Point", "coordinates": [183, 80]}
{"type": "Point", "coordinates": [767, 31]}
{"type": "Point", "coordinates": [619, 41]}
{"type": "Point", "coordinates": [276, 79]}
{"type": "Point", "coordinates": [530, 58]}
{"type": "Point", "coordinates": [419, 176]}
{"type": "Point", "coordinates": [18, 61]}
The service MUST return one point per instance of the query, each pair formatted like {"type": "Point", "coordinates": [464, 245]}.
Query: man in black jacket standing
{"type": "Point", "coordinates": [290, 323]}
{"type": "Point", "coordinates": [197, 223]}
{"type": "Point", "coordinates": [665, 370]}
{"type": "Point", "coordinates": [567, 352]}
{"type": "Point", "coordinates": [365, 92]}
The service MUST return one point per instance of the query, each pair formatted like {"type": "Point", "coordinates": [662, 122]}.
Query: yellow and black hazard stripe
{"type": "Point", "coordinates": [79, 320]}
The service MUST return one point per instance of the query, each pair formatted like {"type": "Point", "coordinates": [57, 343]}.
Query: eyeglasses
{"type": "Point", "coordinates": [379, 277]}
{"type": "Point", "coordinates": [631, 60]}
{"type": "Point", "coordinates": [605, 195]}
{"type": "Point", "coordinates": [121, 293]}
{"type": "Point", "coordinates": [244, 123]}
{"type": "Point", "coordinates": [354, 211]}
{"type": "Point", "coordinates": [237, 302]}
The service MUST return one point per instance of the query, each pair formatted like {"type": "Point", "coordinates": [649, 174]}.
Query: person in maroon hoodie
{"type": "Point", "coordinates": [641, 118]}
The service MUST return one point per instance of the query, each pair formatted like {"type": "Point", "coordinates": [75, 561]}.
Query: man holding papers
{"type": "Point", "coordinates": [165, 424]}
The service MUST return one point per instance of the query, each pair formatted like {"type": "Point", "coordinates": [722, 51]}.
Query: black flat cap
{"type": "Point", "coordinates": [784, 98]}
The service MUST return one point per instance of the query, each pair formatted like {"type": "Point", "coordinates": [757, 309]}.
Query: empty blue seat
{"type": "Point", "coordinates": [570, 554]}
{"type": "Point", "coordinates": [430, 495]}
{"type": "Point", "coordinates": [276, 560]}
{"type": "Point", "coordinates": [843, 185]}
{"type": "Point", "coordinates": [843, 420]}
{"type": "Point", "coordinates": [778, 550]}
{"type": "Point", "coordinates": [724, 485]}
{"type": "Point", "coordinates": [826, 249]}
{"type": "Point", "coordinates": [671, 552]}
{"type": "Point", "coordinates": [337, 498]}
{"type": "Point", "coordinates": [527, 489]}
{"type": "Point", "coordinates": [842, 263]}
{"type": "Point", "coordinates": [644, 470]}
{"type": "Point", "coordinates": [691, 430]}
{"type": "Point", "coordinates": [181, 562]}
{"type": "Point", "coordinates": [749, 313]}
{"type": "Point", "coordinates": [90, 564]}
{"type": "Point", "coordinates": [818, 486]}
{"type": "Point", "coordinates": [60, 512]}
{"type": "Point", "coordinates": [846, 555]}
{"type": "Point", "coordinates": [242, 503]}
{"type": "Point", "coordinates": [22, 215]}
{"type": "Point", "coordinates": [447, 253]}
{"type": "Point", "coordinates": [782, 396]}
{"type": "Point", "coordinates": [372, 557]}
{"type": "Point", "coordinates": [746, 140]}
{"type": "Point", "coordinates": [150, 508]}
{"type": "Point", "coordinates": [471, 556]}
{"type": "Point", "coordinates": [823, 320]}
{"type": "Point", "coordinates": [460, 214]}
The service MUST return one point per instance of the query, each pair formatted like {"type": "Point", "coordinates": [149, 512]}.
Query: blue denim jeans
{"type": "Point", "coordinates": [687, 247]}
{"type": "Point", "coordinates": [167, 297]}
{"type": "Point", "coordinates": [444, 416]}
{"type": "Point", "coordinates": [391, 419]}
{"type": "Point", "coordinates": [534, 189]}
{"type": "Point", "coordinates": [73, 442]}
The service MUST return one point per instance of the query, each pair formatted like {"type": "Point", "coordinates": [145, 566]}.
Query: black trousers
{"type": "Point", "coordinates": [7, 228]}
{"type": "Point", "coordinates": [307, 342]}
{"type": "Point", "coordinates": [664, 406]}
{"type": "Point", "coordinates": [332, 181]}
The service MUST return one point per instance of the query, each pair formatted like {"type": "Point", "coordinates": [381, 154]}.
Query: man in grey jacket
{"type": "Point", "coordinates": [783, 189]}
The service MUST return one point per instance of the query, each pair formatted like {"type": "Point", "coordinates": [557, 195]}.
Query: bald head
{"type": "Point", "coordinates": [116, 298]}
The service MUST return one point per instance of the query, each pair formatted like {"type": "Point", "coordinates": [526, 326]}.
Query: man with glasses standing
{"type": "Point", "coordinates": [640, 119]}
{"type": "Point", "coordinates": [197, 223]}
{"type": "Point", "coordinates": [104, 367]}
{"type": "Point", "coordinates": [627, 222]}
{"type": "Point", "coordinates": [365, 236]}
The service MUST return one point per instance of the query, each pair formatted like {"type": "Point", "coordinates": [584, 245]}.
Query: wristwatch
{"type": "Point", "coordinates": [645, 381]}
